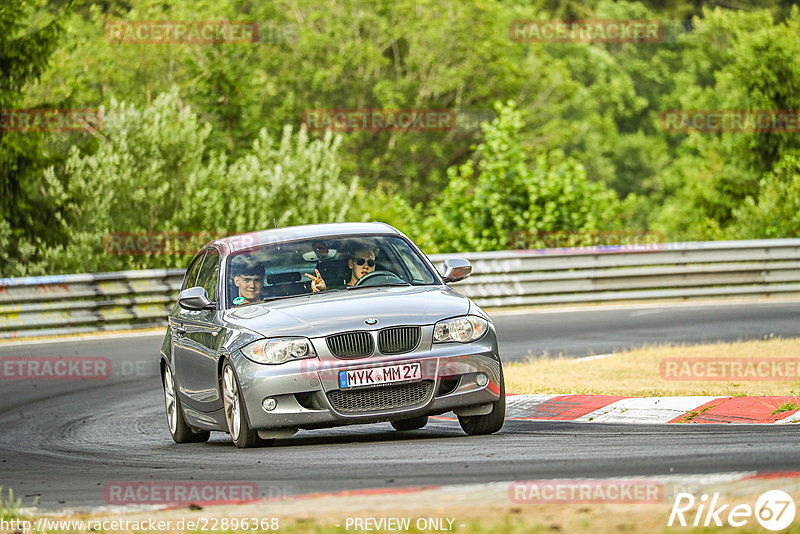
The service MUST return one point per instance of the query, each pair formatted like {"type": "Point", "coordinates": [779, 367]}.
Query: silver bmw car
{"type": "Point", "coordinates": [324, 325]}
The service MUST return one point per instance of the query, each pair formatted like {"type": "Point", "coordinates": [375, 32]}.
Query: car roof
{"type": "Point", "coordinates": [235, 243]}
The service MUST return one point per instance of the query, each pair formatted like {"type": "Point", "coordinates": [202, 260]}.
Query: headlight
{"type": "Point", "coordinates": [281, 350]}
{"type": "Point", "coordinates": [460, 329]}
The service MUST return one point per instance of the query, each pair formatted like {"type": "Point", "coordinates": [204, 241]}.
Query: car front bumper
{"type": "Point", "coordinates": [307, 393]}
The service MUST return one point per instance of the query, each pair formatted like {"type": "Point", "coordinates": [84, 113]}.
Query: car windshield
{"type": "Point", "coordinates": [280, 270]}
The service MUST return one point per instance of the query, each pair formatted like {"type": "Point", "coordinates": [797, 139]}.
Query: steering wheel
{"type": "Point", "coordinates": [376, 278]}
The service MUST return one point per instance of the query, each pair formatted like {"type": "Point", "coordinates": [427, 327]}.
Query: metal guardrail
{"type": "Point", "coordinates": [76, 303]}
{"type": "Point", "coordinates": [666, 271]}
{"type": "Point", "coordinates": [93, 302]}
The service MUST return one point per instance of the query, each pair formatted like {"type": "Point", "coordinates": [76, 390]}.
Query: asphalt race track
{"type": "Point", "coordinates": [63, 441]}
{"type": "Point", "coordinates": [600, 331]}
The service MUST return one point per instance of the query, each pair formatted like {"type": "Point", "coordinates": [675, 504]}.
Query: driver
{"type": "Point", "coordinates": [248, 277]}
{"type": "Point", "coordinates": [360, 262]}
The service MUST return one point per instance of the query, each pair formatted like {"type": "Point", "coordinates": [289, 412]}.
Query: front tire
{"type": "Point", "coordinates": [180, 430]}
{"type": "Point", "coordinates": [243, 436]}
{"type": "Point", "coordinates": [412, 423]}
{"type": "Point", "coordinates": [478, 425]}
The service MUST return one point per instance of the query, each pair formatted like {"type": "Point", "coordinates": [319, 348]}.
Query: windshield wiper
{"type": "Point", "coordinates": [388, 284]}
{"type": "Point", "coordinates": [277, 297]}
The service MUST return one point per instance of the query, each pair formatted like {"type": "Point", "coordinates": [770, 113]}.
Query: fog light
{"type": "Point", "coordinates": [482, 379]}
{"type": "Point", "coordinates": [269, 404]}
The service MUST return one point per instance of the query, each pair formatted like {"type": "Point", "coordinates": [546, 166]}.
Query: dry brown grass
{"type": "Point", "coordinates": [636, 372]}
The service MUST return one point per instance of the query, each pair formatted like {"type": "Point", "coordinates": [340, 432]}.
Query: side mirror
{"type": "Point", "coordinates": [456, 269]}
{"type": "Point", "coordinates": [194, 298]}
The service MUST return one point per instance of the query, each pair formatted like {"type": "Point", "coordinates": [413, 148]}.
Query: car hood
{"type": "Point", "coordinates": [346, 310]}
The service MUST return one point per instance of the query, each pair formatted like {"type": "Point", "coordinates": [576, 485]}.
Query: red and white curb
{"type": "Point", "coordinates": [618, 409]}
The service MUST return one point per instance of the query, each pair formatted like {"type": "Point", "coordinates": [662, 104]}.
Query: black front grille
{"type": "Point", "coordinates": [350, 345]}
{"type": "Point", "coordinates": [381, 398]}
{"type": "Point", "coordinates": [398, 340]}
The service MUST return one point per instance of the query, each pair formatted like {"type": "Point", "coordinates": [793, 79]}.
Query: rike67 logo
{"type": "Point", "coordinates": [774, 510]}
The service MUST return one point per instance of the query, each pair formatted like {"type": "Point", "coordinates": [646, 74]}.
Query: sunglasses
{"type": "Point", "coordinates": [360, 261]}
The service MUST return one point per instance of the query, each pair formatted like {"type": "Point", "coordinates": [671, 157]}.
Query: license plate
{"type": "Point", "coordinates": [375, 376]}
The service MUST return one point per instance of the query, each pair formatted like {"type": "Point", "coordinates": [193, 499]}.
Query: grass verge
{"type": "Point", "coordinates": [9, 506]}
{"type": "Point", "coordinates": [638, 373]}
{"type": "Point", "coordinates": [475, 509]}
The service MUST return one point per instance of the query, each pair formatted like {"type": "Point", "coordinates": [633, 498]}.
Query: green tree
{"type": "Point", "coordinates": [294, 179]}
{"type": "Point", "coordinates": [153, 172]}
{"type": "Point", "coordinates": [776, 211]}
{"type": "Point", "coordinates": [29, 35]}
{"type": "Point", "coordinates": [734, 61]}
{"type": "Point", "coordinates": [498, 192]}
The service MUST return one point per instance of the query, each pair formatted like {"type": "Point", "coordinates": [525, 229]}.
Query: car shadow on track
{"type": "Point", "coordinates": [354, 434]}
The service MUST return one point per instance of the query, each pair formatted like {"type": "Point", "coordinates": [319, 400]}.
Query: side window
{"type": "Point", "coordinates": [209, 274]}
{"type": "Point", "coordinates": [191, 272]}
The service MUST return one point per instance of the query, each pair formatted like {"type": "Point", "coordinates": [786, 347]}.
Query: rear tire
{"type": "Point", "coordinates": [180, 430]}
{"type": "Point", "coordinates": [412, 423]}
{"type": "Point", "coordinates": [478, 425]}
{"type": "Point", "coordinates": [243, 436]}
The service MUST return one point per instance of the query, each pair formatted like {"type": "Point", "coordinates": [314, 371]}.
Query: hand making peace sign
{"type": "Point", "coordinates": [317, 283]}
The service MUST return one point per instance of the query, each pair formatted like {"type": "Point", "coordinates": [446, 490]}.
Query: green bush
{"type": "Point", "coordinates": [152, 172]}
{"type": "Point", "coordinates": [498, 192]}
{"type": "Point", "coordinates": [776, 211]}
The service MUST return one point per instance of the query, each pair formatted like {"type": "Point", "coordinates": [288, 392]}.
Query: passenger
{"type": "Point", "coordinates": [248, 277]}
